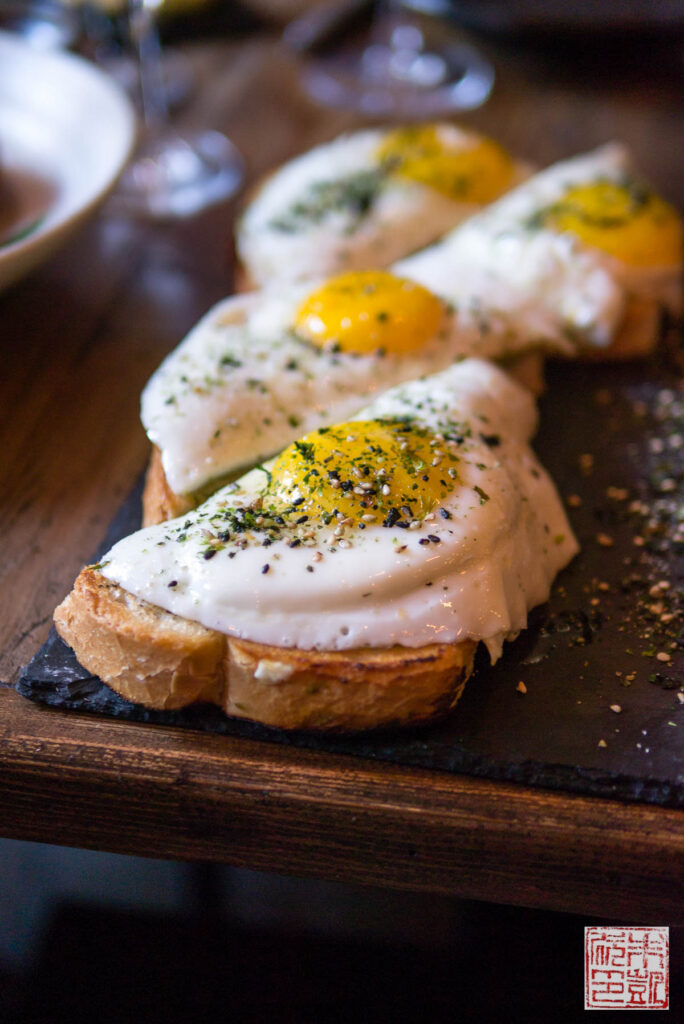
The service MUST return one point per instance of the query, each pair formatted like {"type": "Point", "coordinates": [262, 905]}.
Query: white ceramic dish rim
{"type": "Point", "coordinates": [97, 114]}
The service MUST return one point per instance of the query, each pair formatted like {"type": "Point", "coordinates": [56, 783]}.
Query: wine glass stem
{"type": "Point", "coordinates": [386, 16]}
{"type": "Point", "coordinates": [147, 46]}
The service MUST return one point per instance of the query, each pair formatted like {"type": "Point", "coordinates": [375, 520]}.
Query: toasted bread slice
{"type": "Point", "coordinates": [158, 659]}
{"type": "Point", "coordinates": [159, 502]}
{"type": "Point", "coordinates": [638, 336]}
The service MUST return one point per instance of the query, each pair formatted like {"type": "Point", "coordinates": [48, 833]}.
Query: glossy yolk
{"type": "Point", "coordinates": [624, 220]}
{"type": "Point", "coordinates": [477, 171]}
{"type": "Point", "coordinates": [363, 311]}
{"type": "Point", "coordinates": [367, 470]}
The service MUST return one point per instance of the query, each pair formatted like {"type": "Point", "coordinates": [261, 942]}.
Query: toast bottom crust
{"type": "Point", "coordinates": [162, 661]}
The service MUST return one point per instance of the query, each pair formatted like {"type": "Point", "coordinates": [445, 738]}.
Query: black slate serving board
{"type": "Point", "coordinates": [600, 712]}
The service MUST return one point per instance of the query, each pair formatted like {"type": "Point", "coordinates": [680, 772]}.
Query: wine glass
{"type": "Point", "coordinates": [409, 65]}
{"type": "Point", "coordinates": [172, 174]}
{"type": "Point", "coordinates": [106, 39]}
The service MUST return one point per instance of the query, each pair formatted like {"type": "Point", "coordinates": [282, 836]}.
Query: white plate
{"type": "Point", "coordinates": [64, 121]}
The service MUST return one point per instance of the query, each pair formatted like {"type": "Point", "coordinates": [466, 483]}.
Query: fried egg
{"type": "Point", "coordinates": [368, 198]}
{"type": "Point", "coordinates": [262, 368]}
{"type": "Point", "coordinates": [527, 273]}
{"type": "Point", "coordinates": [561, 257]}
{"type": "Point", "coordinates": [425, 518]}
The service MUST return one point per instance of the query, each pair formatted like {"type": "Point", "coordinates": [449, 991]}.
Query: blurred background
{"type": "Point", "coordinates": [87, 936]}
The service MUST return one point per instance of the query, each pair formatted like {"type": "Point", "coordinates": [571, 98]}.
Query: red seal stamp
{"type": "Point", "coordinates": [626, 968]}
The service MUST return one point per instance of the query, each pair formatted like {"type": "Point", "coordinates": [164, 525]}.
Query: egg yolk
{"type": "Point", "coordinates": [475, 171]}
{"type": "Point", "coordinates": [624, 220]}
{"type": "Point", "coordinates": [363, 311]}
{"type": "Point", "coordinates": [383, 471]}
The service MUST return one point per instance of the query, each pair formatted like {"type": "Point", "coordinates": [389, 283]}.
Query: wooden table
{"type": "Point", "coordinates": [79, 339]}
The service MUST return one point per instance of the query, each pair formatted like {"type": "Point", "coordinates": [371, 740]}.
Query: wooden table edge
{"type": "Point", "coordinates": [79, 780]}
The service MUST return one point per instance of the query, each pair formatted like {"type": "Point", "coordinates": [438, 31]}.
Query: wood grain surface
{"type": "Point", "coordinates": [78, 340]}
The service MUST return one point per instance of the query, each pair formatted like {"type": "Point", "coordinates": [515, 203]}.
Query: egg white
{"type": "Point", "coordinates": [503, 267]}
{"type": "Point", "coordinates": [209, 416]}
{"type": "Point", "coordinates": [402, 216]}
{"type": "Point", "coordinates": [471, 571]}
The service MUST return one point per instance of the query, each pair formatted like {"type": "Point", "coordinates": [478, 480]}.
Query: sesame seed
{"type": "Point", "coordinates": [265, 568]}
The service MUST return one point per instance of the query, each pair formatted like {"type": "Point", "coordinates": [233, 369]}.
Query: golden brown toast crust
{"type": "Point", "coordinates": [158, 659]}
{"type": "Point", "coordinates": [159, 502]}
{"type": "Point", "coordinates": [638, 336]}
